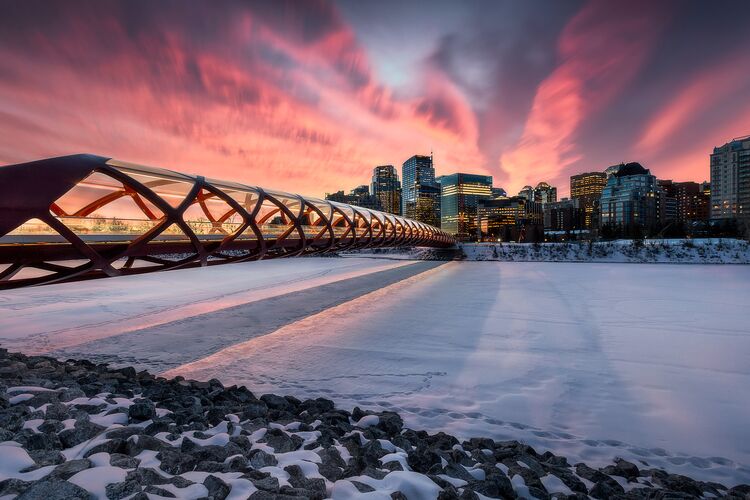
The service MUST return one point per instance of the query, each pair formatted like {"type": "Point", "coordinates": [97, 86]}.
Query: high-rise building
{"type": "Point", "coordinates": [459, 195]}
{"type": "Point", "coordinates": [498, 192]}
{"type": "Point", "coordinates": [387, 188]}
{"type": "Point", "coordinates": [544, 193]}
{"type": "Point", "coordinates": [730, 179]}
{"type": "Point", "coordinates": [510, 219]}
{"type": "Point", "coordinates": [692, 201]}
{"type": "Point", "coordinates": [587, 189]}
{"type": "Point", "coordinates": [420, 194]}
{"type": "Point", "coordinates": [564, 215]}
{"type": "Point", "coordinates": [629, 199]}
{"type": "Point", "coordinates": [359, 196]}
{"type": "Point", "coordinates": [527, 192]}
{"type": "Point", "coordinates": [666, 201]}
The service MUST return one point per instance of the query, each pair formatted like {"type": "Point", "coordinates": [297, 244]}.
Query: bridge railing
{"type": "Point", "coordinates": [85, 216]}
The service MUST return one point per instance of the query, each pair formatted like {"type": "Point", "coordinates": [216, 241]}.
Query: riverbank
{"type": "Point", "coordinates": [78, 430]}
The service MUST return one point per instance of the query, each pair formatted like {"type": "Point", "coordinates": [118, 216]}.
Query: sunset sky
{"type": "Point", "coordinates": [309, 96]}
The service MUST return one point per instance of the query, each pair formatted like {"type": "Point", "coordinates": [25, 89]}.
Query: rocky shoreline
{"type": "Point", "coordinates": [75, 429]}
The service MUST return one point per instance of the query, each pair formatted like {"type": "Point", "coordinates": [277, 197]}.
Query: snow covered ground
{"type": "Point", "coordinates": [55, 316]}
{"type": "Point", "coordinates": [697, 251]}
{"type": "Point", "coordinates": [592, 361]}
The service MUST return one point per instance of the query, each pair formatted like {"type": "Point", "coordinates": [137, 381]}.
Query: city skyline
{"type": "Point", "coordinates": [312, 96]}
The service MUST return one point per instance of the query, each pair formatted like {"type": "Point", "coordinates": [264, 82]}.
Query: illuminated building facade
{"type": "Point", "coordinates": [730, 180]}
{"type": "Point", "coordinates": [510, 219]}
{"type": "Point", "coordinates": [564, 215]}
{"type": "Point", "coordinates": [386, 188]}
{"type": "Point", "coordinates": [692, 201]}
{"type": "Point", "coordinates": [587, 189]}
{"type": "Point", "coordinates": [459, 196]}
{"type": "Point", "coordinates": [630, 198]}
{"type": "Point", "coordinates": [544, 193]}
{"type": "Point", "coordinates": [420, 194]}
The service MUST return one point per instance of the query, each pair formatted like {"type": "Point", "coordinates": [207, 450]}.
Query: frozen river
{"type": "Point", "coordinates": [648, 362]}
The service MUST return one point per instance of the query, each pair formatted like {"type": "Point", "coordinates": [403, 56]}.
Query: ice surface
{"type": "Point", "coordinates": [593, 361]}
{"type": "Point", "coordinates": [55, 316]}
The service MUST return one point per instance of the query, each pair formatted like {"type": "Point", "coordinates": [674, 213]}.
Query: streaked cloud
{"type": "Point", "coordinates": [309, 96]}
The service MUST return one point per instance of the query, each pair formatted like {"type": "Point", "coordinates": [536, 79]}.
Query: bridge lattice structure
{"type": "Point", "coordinates": [85, 216]}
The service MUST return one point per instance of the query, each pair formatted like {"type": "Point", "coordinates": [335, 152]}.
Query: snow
{"type": "Point", "coordinates": [588, 360]}
{"type": "Point", "coordinates": [96, 479]}
{"type": "Point", "coordinates": [55, 316]}
{"type": "Point", "coordinates": [694, 251]}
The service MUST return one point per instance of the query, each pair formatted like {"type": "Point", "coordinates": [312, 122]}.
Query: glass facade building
{"type": "Point", "coordinates": [630, 198]}
{"type": "Point", "coordinates": [510, 219]}
{"type": "Point", "coordinates": [420, 194]}
{"type": "Point", "coordinates": [587, 189]}
{"type": "Point", "coordinates": [386, 188]}
{"type": "Point", "coordinates": [459, 197]}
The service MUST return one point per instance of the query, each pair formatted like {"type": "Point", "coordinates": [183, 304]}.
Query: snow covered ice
{"type": "Point", "coordinates": [587, 360]}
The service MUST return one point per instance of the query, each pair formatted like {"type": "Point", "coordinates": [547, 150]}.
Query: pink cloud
{"type": "Point", "coordinates": [300, 113]}
{"type": "Point", "coordinates": [600, 52]}
{"type": "Point", "coordinates": [710, 86]}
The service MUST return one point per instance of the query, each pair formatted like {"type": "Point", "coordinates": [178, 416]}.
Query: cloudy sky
{"type": "Point", "coordinates": [309, 96]}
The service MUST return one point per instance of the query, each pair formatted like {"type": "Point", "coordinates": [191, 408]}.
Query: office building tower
{"type": "Point", "coordinates": [510, 219]}
{"type": "Point", "coordinates": [587, 189]}
{"type": "Point", "coordinates": [420, 194]}
{"type": "Point", "coordinates": [544, 193]}
{"type": "Point", "coordinates": [387, 188]}
{"type": "Point", "coordinates": [629, 199]}
{"type": "Point", "coordinates": [730, 180]}
{"type": "Point", "coordinates": [459, 195]}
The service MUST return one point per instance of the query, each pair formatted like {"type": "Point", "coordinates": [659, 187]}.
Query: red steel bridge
{"type": "Point", "coordinates": [85, 216]}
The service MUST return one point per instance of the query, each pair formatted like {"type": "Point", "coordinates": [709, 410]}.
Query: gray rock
{"type": "Point", "coordinates": [362, 487]}
{"type": "Point", "coordinates": [56, 411]}
{"type": "Point", "coordinates": [217, 489]}
{"type": "Point", "coordinates": [54, 489]}
{"type": "Point", "coordinates": [254, 409]}
{"type": "Point", "coordinates": [155, 490]}
{"type": "Point", "coordinates": [260, 459]}
{"type": "Point", "coordinates": [83, 431]}
{"type": "Point", "coordinates": [70, 468]}
{"type": "Point", "coordinates": [146, 476]}
{"type": "Point", "coordinates": [275, 402]}
{"type": "Point", "coordinates": [116, 491]}
{"type": "Point", "coordinates": [282, 442]}
{"type": "Point", "coordinates": [140, 410]}
{"type": "Point", "coordinates": [269, 483]}
{"type": "Point", "coordinates": [43, 442]}
{"type": "Point", "coordinates": [13, 486]}
{"type": "Point", "coordinates": [123, 461]}
{"type": "Point", "coordinates": [176, 462]}
{"type": "Point", "coordinates": [136, 444]}
{"type": "Point", "coordinates": [606, 489]}
{"type": "Point", "coordinates": [46, 457]}
{"type": "Point", "coordinates": [109, 446]}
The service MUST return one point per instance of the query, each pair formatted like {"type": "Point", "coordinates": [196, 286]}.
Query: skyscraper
{"type": "Point", "coordinates": [629, 199]}
{"type": "Point", "coordinates": [527, 192]}
{"type": "Point", "coordinates": [587, 189]}
{"type": "Point", "coordinates": [459, 196]}
{"type": "Point", "coordinates": [544, 193]}
{"type": "Point", "coordinates": [387, 188]}
{"type": "Point", "coordinates": [510, 219]}
{"type": "Point", "coordinates": [730, 179]}
{"type": "Point", "coordinates": [692, 202]}
{"type": "Point", "coordinates": [420, 195]}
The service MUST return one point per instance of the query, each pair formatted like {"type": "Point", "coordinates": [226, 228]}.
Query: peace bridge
{"type": "Point", "coordinates": [85, 216]}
